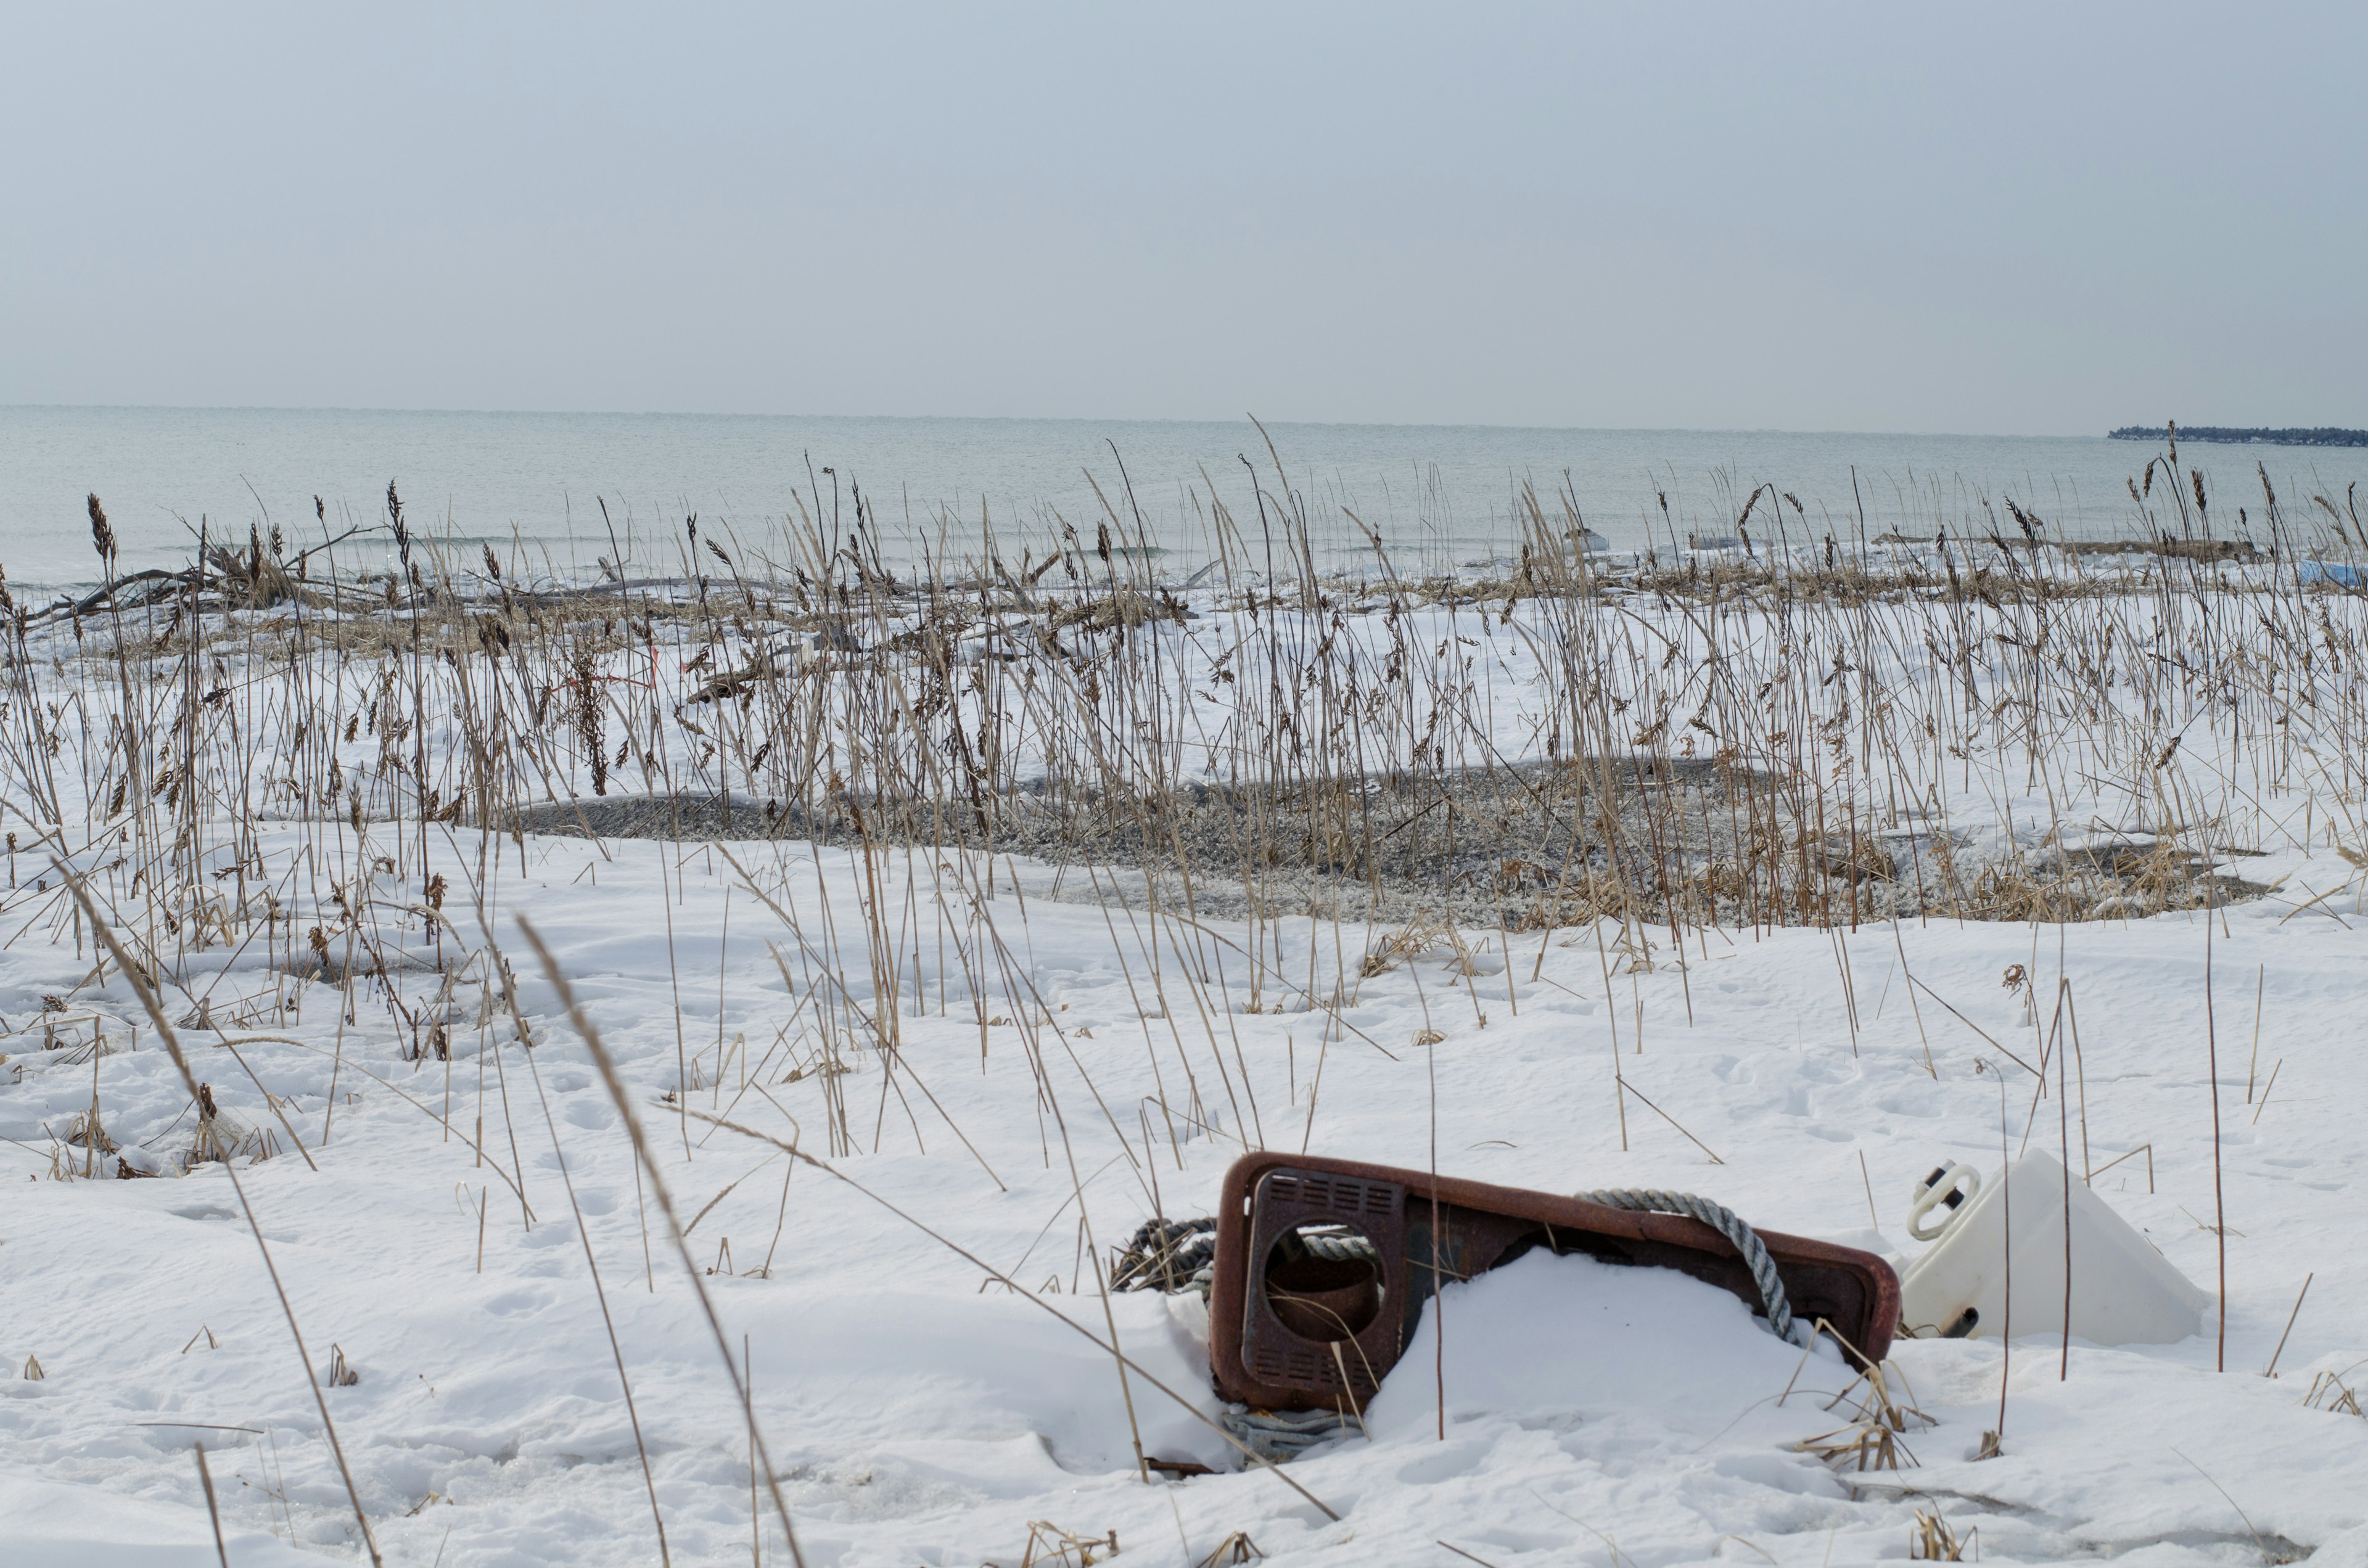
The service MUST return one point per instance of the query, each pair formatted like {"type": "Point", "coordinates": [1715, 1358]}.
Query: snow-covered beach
{"type": "Point", "coordinates": [1870, 858]}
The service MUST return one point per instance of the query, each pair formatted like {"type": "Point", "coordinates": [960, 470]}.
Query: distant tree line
{"type": "Point", "coordinates": [2320, 436]}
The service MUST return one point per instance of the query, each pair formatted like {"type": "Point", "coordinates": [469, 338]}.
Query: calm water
{"type": "Point", "coordinates": [1436, 494]}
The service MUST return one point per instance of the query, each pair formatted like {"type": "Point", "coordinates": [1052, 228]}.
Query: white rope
{"type": "Point", "coordinates": [1727, 1224]}
{"type": "Point", "coordinates": [1166, 1254]}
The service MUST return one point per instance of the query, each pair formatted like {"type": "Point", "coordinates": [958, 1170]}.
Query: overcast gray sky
{"type": "Point", "coordinates": [1974, 217]}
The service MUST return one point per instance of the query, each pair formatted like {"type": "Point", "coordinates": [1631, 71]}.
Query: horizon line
{"type": "Point", "coordinates": [1040, 419]}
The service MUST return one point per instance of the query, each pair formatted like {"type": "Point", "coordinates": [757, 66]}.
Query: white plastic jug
{"type": "Point", "coordinates": [2123, 1291]}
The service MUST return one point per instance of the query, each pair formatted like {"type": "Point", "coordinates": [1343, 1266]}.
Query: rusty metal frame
{"type": "Point", "coordinates": [1260, 1360]}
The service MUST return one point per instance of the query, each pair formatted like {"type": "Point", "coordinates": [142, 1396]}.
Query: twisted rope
{"type": "Point", "coordinates": [1345, 1247]}
{"type": "Point", "coordinates": [1180, 1255]}
{"type": "Point", "coordinates": [1280, 1436]}
{"type": "Point", "coordinates": [1727, 1224]}
{"type": "Point", "coordinates": [1166, 1254]}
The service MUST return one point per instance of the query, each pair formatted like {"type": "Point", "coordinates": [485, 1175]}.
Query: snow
{"type": "Point", "coordinates": [921, 1414]}
{"type": "Point", "coordinates": [49, 1525]}
{"type": "Point", "coordinates": [1579, 1340]}
{"type": "Point", "coordinates": [920, 1410]}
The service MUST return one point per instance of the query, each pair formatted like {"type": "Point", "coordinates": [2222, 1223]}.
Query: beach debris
{"type": "Point", "coordinates": [1322, 1267]}
{"type": "Point", "coordinates": [1946, 1188]}
{"type": "Point", "coordinates": [2122, 1291]}
{"type": "Point", "coordinates": [1168, 1255]}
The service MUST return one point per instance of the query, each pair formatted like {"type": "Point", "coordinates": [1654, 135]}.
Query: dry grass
{"type": "Point", "coordinates": [1873, 1437]}
{"type": "Point", "coordinates": [2329, 1391]}
{"type": "Point", "coordinates": [1050, 1546]}
{"type": "Point", "coordinates": [277, 755]}
{"type": "Point", "coordinates": [1933, 1540]}
{"type": "Point", "coordinates": [1735, 739]}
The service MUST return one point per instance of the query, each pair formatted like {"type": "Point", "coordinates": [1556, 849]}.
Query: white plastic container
{"type": "Point", "coordinates": [2123, 1291]}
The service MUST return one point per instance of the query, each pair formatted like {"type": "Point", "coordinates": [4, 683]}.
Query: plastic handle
{"type": "Point", "coordinates": [1953, 1185]}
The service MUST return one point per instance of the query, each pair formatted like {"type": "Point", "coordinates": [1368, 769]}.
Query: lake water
{"type": "Point", "coordinates": [1436, 494]}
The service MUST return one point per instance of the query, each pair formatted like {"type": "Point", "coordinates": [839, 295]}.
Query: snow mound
{"type": "Point", "coordinates": [55, 1524]}
{"type": "Point", "coordinates": [1548, 1334]}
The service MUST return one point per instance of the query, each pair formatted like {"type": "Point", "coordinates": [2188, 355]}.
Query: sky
{"type": "Point", "coordinates": [1997, 219]}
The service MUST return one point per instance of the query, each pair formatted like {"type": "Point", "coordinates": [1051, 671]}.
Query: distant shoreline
{"type": "Point", "coordinates": [2320, 436]}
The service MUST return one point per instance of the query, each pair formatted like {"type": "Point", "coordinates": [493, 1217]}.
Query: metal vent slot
{"type": "Point", "coordinates": [1302, 1371]}
{"type": "Point", "coordinates": [1340, 1196]}
{"type": "Point", "coordinates": [1281, 1356]}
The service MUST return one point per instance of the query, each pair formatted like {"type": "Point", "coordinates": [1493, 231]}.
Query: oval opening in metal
{"type": "Point", "coordinates": [1323, 1298]}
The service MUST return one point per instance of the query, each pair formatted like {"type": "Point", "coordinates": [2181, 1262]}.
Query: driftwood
{"type": "Point", "coordinates": [248, 580]}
